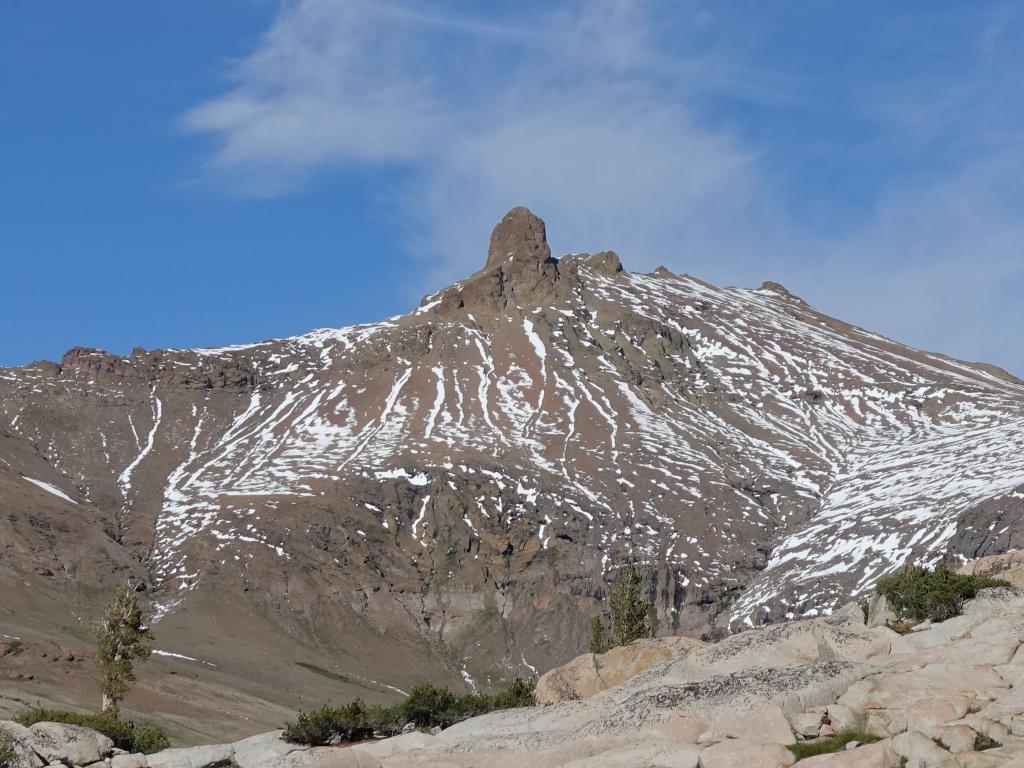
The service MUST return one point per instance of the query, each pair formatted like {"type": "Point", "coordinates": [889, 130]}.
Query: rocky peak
{"type": "Point", "coordinates": [775, 287]}
{"type": "Point", "coordinates": [520, 270]}
{"type": "Point", "coordinates": [519, 236]}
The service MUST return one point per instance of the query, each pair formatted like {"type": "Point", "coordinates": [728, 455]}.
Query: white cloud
{"type": "Point", "coordinates": [580, 114]}
{"type": "Point", "coordinates": [330, 84]}
{"type": "Point", "coordinates": [560, 118]}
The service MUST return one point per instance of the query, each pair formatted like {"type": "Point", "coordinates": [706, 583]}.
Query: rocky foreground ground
{"type": "Point", "coordinates": [941, 695]}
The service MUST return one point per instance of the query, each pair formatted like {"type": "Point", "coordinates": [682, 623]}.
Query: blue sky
{"type": "Point", "coordinates": [197, 173]}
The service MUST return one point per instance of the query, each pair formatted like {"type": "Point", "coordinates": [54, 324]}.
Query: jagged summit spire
{"type": "Point", "coordinates": [520, 235]}
{"type": "Point", "coordinates": [520, 270]}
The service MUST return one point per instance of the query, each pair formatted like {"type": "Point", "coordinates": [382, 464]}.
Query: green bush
{"type": "Point", "coordinates": [834, 743]}
{"type": "Point", "coordinates": [426, 706]}
{"type": "Point", "coordinates": [8, 755]}
{"type": "Point", "coordinates": [518, 694]}
{"type": "Point", "coordinates": [919, 593]}
{"type": "Point", "coordinates": [126, 734]}
{"type": "Point", "coordinates": [983, 741]}
{"type": "Point", "coordinates": [355, 721]}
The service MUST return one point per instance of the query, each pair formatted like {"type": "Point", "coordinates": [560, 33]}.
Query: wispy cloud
{"type": "Point", "coordinates": [579, 115]}
{"type": "Point", "coordinates": [940, 265]}
{"type": "Point", "coordinates": [596, 114]}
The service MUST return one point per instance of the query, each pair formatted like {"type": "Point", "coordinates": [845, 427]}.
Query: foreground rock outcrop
{"type": "Point", "coordinates": [591, 673]}
{"type": "Point", "coordinates": [1008, 567]}
{"type": "Point", "coordinates": [948, 695]}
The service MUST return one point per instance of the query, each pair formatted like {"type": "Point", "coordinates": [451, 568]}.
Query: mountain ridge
{"type": "Point", "coordinates": [453, 486]}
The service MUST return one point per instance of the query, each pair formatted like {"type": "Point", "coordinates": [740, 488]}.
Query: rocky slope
{"type": "Point", "coordinates": [946, 695]}
{"type": "Point", "coordinates": [442, 494]}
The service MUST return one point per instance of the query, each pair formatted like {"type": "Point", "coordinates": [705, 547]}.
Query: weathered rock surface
{"type": "Point", "coordinates": [73, 744]}
{"type": "Point", "coordinates": [1009, 567]}
{"type": "Point", "coordinates": [868, 756]}
{"type": "Point", "coordinates": [325, 757]}
{"type": "Point", "coordinates": [260, 749]}
{"type": "Point", "coordinates": [931, 697]}
{"type": "Point", "coordinates": [927, 697]}
{"type": "Point", "coordinates": [746, 753]}
{"type": "Point", "coordinates": [591, 673]}
{"type": "Point", "coordinates": [134, 760]}
{"type": "Point", "coordinates": [209, 756]}
{"type": "Point", "coordinates": [22, 739]}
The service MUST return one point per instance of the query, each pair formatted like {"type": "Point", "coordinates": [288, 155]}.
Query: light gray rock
{"type": "Point", "coordinates": [650, 753]}
{"type": "Point", "coordinates": [209, 756]}
{"type": "Point", "coordinates": [955, 738]}
{"type": "Point", "coordinates": [22, 739]}
{"type": "Point", "coordinates": [981, 724]}
{"type": "Point", "coordinates": [805, 724]}
{"type": "Point", "coordinates": [917, 747]}
{"type": "Point", "coordinates": [58, 742]}
{"type": "Point", "coordinates": [879, 755]}
{"type": "Point", "coordinates": [136, 760]}
{"type": "Point", "coordinates": [979, 760]}
{"type": "Point", "coordinates": [686, 729]}
{"type": "Point", "coordinates": [258, 750]}
{"type": "Point", "coordinates": [841, 637]}
{"type": "Point", "coordinates": [996, 601]}
{"type": "Point", "coordinates": [325, 757]}
{"type": "Point", "coordinates": [879, 612]}
{"type": "Point", "coordinates": [767, 724]}
{"type": "Point", "coordinates": [958, 683]}
{"type": "Point", "coordinates": [396, 744]}
{"type": "Point", "coordinates": [744, 753]}
{"type": "Point", "coordinates": [842, 718]}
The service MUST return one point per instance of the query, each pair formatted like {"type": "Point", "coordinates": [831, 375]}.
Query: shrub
{"type": "Point", "coordinates": [982, 741]}
{"type": "Point", "coordinates": [426, 706]}
{"type": "Point", "coordinates": [919, 593]}
{"type": "Point", "coordinates": [355, 721]}
{"type": "Point", "coordinates": [518, 694]}
{"type": "Point", "coordinates": [8, 754]}
{"type": "Point", "coordinates": [834, 743]}
{"type": "Point", "coordinates": [315, 727]}
{"type": "Point", "coordinates": [126, 734]}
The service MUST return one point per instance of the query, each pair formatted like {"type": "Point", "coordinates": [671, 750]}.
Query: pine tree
{"type": "Point", "coordinates": [123, 638]}
{"type": "Point", "coordinates": [629, 607]}
{"type": "Point", "coordinates": [599, 640]}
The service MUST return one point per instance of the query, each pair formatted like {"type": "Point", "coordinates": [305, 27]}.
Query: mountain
{"type": "Point", "coordinates": [441, 495]}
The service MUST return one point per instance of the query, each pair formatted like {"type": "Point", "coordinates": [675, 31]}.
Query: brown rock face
{"type": "Point", "coordinates": [519, 272]}
{"type": "Point", "coordinates": [519, 236]}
